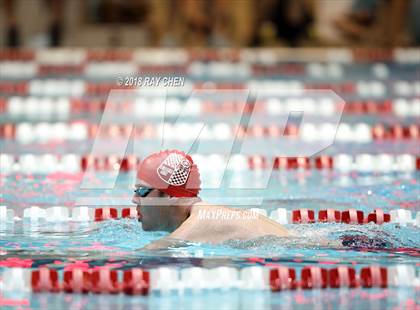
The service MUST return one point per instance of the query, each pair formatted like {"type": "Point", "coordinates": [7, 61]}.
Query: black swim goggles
{"type": "Point", "coordinates": [143, 191]}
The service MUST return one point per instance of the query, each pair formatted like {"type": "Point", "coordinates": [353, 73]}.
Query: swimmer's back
{"type": "Point", "coordinates": [217, 224]}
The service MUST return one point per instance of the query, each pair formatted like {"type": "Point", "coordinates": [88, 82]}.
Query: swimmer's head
{"type": "Point", "coordinates": [167, 185]}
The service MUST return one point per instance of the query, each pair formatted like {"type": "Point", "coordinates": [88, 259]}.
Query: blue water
{"type": "Point", "coordinates": [311, 299]}
{"type": "Point", "coordinates": [291, 190]}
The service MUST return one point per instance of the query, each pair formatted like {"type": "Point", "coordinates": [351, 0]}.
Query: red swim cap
{"type": "Point", "coordinates": [172, 172]}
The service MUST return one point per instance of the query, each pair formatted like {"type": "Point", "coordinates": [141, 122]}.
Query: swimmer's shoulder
{"type": "Point", "coordinates": [233, 216]}
{"type": "Point", "coordinates": [203, 225]}
{"type": "Point", "coordinates": [215, 224]}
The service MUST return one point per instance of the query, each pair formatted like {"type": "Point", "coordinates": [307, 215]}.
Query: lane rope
{"type": "Point", "coordinates": [61, 98]}
{"type": "Point", "coordinates": [78, 131]}
{"type": "Point", "coordinates": [60, 214]}
{"type": "Point", "coordinates": [343, 163]}
{"type": "Point", "coordinates": [164, 280]}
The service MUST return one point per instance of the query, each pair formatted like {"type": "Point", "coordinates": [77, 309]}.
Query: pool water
{"type": "Point", "coordinates": [287, 189]}
{"type": "Point", "coordinates": [118, 244]}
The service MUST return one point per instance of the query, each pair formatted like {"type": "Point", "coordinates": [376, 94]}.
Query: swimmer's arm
{"type": "Point", "coordinates": [187, 232]}
{"type": "Point", "coordinates": [164, 243]}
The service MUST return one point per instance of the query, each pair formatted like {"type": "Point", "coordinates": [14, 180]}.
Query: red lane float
{"type": "Point", "coordinates": [291, 163]}
{"type": "Point", "coordinates": [14, 88]}
{"type": "Point", "coordinates": [97, 104]}
{"type": "Point", "coordinates": [342, 277]}
{"type": "Point", "coordinates": [109, 55]}
{"type": "Point", "coordinates": [399, 132]}
{"type": "Point", "coordinates": [341, 88]}
{"type": "Point", "coordinates": [303, 216]}
{"type": "Point", "coordinates": [340, 162]}
{"type": "Point", "coordinates": [365, 55]}
{"type": "Point", "coordinates": [129, 213]}
{"type": "Point", "coordinates": [324, 162]}
{"type": "Point", "coordinates": [17, 55]}
{"type": "Point", "coordinates": [136, 282]}
{"type": "Point", "coordinates": [45, 280]}
{"type": "Point", "coordinates": [101, 281]}
{"type": "Point", "coordinates": [352, 216]}
{"type": "Point", "coordinates": [369, 107]}
{"type": "Point", "coordinates": [87, 162]}
{"type": "Point", "coordinates": [356, 55]}
{"type": "Point", "coordinates": [313, 277]}
{"type": "Point", "coordinates": [105, 280]}
{"type": "Point", "coordinates": [374, 276]}
{"type": "Point", "coordinates": [257, 162]}
{"type": "Point", "coordinates": [378, 217]}
{"type": "Point", "coordinates": [105, 214]}
{"type": "Point", "coordinates": [2, 105]}
{"type": "Point", "coordinates": [282, 278]}
{"type": "Point", "coordinates": [395, 132]}
{"type": "Point", "coordinates": [70, 69]}
{"type": "Point", "coordinates": [281, 215]}
{"type": "Point", "coordinates": [108, 163]}
{"type": "Point", "coordinates": [329, 215]}
{"type": "Point", "coordinates": [129, 163]}
{"type": "Point", "coordinates": [7, 131]}
{"type": "Point", "coordinates": [379, 132]}
{"type": "Point", "coordinates": [77, 281]}
{"type": "Point", "coordinates": [291, 130]}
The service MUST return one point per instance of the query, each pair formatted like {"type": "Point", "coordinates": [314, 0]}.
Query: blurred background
{"type": "Point", "coordinates": [57, 105]}
{"type": "Point", "coordinates": [52, 99]}
{"type": "Point", "coordinates": [206, 23]}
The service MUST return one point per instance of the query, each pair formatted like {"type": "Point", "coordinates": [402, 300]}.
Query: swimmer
{"type": "Point", "coordinates": [166, 195]}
